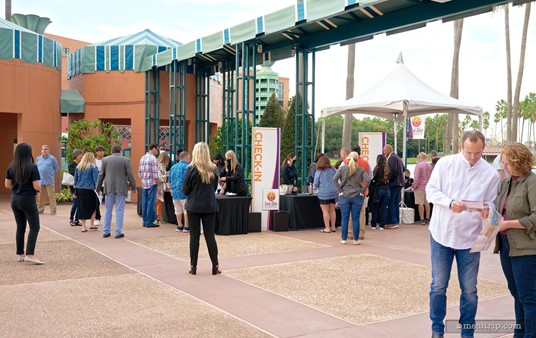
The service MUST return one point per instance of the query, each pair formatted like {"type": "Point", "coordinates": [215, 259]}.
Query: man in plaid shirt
{"type": "Point", "coordinates": [148, 173]}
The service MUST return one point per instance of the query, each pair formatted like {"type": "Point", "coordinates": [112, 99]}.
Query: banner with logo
{"type": "Point", "coordinates": [265, 173]}
{"type": "Point", "coordinates": [416, 128]}
{"type": "Point", "coordinates": [371, 146]}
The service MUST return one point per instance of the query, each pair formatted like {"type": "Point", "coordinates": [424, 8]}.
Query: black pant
{"type": "Point", "coordinates": [25, 210]}
{"type": "Point", "coordinates": [209, 226]}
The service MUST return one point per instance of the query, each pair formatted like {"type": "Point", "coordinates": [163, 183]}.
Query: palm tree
{"type": "Point", "coordinates": [347, 126]}
{"type": "Point", "coordinates": [516, 106]}
{"type": "Point", "coordinates": [452, 133]}
{"type": "Point", "coordinates": [8, 10]}
{"type": "Point", "coordinates": [508, 74]}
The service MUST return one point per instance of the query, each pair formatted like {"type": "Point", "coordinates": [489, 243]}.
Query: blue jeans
{"type": "Point", "coordinates": [379, 209]}
{"type": "Point", "coordinates": [353, 206]}
{"type": "Point", "coordinates": [119, 201]}
{"type": "Point", "coordinates": [520, 272]}
{"type": "Point", "coordinates": [468, 264]}
{"type": "Point", "coordinates": [148, 204]}
{"type": "Point", "coordinates": [394, 205]}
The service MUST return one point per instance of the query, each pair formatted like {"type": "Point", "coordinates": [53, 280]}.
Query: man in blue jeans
{"type": "Point", "coordinates": [455, 180]}
{"type": "Point", "coordinates": [396, 182]}
{"type": "Point", "coordinates": [148, 173]}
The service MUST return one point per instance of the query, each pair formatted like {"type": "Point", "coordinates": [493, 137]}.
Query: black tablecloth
{"type": "Point", "coordinates": [303, 211]}
{"type": "Point", "coordinates": [233, 216]}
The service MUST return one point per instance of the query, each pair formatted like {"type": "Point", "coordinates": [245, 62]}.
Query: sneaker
{"type": "Point", "coordinates": [179, 229]}
{"type": "Point", "coordinates": [356, 243]}
{"type": "Point", "coordinates": [374, 228]}
{"type": "Point", "coordinates": [97, 222]}
{"type": "Point", "coordinates": [342, 241]}
{"type": "Point", "coordinates": [72, 223]}
{"type": "Point", "coordinates": [382, 228]}
{"type": "Point", "coordinates": [186, 229]}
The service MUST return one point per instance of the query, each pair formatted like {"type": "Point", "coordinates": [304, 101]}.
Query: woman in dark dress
{"type": "Point", "coordinates": [219, 161]}
{"type": "Point", "coordinates": [199, 184]}
{"type": "Point", "coordinates": [22, 178]}
{"type": "Point", "coordinates": [233, 177]}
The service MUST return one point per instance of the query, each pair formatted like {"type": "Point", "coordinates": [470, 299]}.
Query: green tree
{"type": "Point", "coordinates": [273, 114]}
{"type": "Point", "coordinates": [86, 135]}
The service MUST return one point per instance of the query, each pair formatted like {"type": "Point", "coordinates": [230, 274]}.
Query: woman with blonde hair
{"type": "Point", "coordinates": [232, 179]}
{"type": "Point", "coordinates": [199, 185]}
{"type": "Point", "coordinates": [86, 176]}
{"type": "Point", "coordinates": [163, 161]}
{"type": "Point", "coordinates": [516, 241]}
{"type": "Point", "coordinates": [348, 180]}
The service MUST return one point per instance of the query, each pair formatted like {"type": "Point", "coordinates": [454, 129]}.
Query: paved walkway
{"type": "Point", "coordinates": [139, 285]}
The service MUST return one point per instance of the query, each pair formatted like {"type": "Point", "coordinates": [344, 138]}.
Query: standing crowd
{"type": "Point", "coordinates": [451, 184]}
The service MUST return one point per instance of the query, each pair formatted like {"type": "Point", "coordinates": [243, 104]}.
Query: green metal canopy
{"type": "Point", "coordinates": [71, 101]}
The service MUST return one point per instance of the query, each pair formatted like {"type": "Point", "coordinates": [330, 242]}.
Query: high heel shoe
{"type": "Point", "coordinates": [193, 270]}
{"type": "Point", "coordinates": [216, 270]}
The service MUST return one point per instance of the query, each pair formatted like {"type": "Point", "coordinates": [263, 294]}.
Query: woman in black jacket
{"type": "Point", "coordinates": [71, 168]}
{"type": "Point", "coordinates": [289, 172]}
{"type": "Point", "coordinates": [22, 178]}
{"type": "Point", "coordinates": [232, 179]}
{"type": "Point", "coordinates": [200, 183]}
{"type": "Point", "coordinates": [379, 193]}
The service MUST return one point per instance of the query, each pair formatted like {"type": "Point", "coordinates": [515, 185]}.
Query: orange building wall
{"type": "Point", "coordinates": [71, 45]}
{"type": "Point", "coordinates": [31, 93]}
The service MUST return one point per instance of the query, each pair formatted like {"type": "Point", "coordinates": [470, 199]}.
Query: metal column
{"type": "Point", "coordinates": [152, 107]}
{"type": "Point", "coordinates": [177, 107]}
{"type": "Point", "coordinates": [202, 104]}
{"type": "Point", "coordinates": [304, 138]}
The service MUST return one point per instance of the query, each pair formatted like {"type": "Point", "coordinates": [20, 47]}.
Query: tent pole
{"type": "Point", "coordinates": [405, 135]}
{"type": "Point", "coordinates": [323, 134]}
{"type": "Point", "coordinates": [395, 128]}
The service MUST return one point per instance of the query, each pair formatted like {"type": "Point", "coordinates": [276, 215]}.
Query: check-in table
{"type": "Point", "coordinates": [231, 219]}
{"type": "Point", "coordinates": [303, 211]}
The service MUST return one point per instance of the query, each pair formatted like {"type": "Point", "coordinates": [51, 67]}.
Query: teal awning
{"type": "Point", "coordinates": [71, 101]}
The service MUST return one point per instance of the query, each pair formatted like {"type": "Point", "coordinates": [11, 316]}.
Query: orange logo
{"type": "Point", "coordinates": [270, 196]}
{"type": "Point", "coordinates": [416, 121]}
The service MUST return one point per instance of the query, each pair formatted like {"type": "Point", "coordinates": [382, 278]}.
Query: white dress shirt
{"type": "Point", "coordinates": [454, 179]}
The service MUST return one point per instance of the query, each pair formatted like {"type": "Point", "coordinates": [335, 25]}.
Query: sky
{"type": "Point", "coordinates": [427, 51]}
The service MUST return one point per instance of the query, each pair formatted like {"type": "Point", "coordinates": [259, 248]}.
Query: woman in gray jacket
{"type": "Point", "coordinates": [516, 241]}
{"type": "Point", "coordinates": [351, 182]}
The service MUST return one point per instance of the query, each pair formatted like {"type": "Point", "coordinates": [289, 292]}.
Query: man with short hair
{"type": "Point", "coordinates": [455, 180]}
{"type": "Point", "coordinates": [148, 173]}
{"type": "Point", "coordinates": [423, 170]}
{"type": "Point", "coordinates": [176, 177]}
{"type": "Point", "coordinates": [396, 182]}
{"type": "Point", "coordinates": [115, 177]}
{"type": "Point", "coordinates": [48, 167]}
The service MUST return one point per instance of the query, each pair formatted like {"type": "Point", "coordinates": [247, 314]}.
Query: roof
{"type": "Point", "coordinates": [17, 42]}
{"type": "Point", "coordinates": [317, 24]}
{"type": "Point", "coordinates": [398, 91]}
{"type": "Point", "coordinates": [71, 101]}
{"type": "Point", "coordinates": [122, 53]}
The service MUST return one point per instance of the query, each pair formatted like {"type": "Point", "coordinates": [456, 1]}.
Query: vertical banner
{"type": "Point", "coordinates": [265, 172]}
{"type": "Point", "coordinates": [416, 128]}
{"type": "Point", "coordinates": [371, 146]}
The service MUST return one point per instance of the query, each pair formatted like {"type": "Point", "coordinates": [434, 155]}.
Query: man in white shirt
{"type": "Point", "coordinates": [453, 230]}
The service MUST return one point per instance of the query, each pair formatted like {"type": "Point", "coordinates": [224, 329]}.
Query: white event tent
{"type": "Point", "coordinates": [400, 95]}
